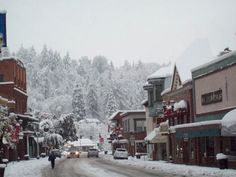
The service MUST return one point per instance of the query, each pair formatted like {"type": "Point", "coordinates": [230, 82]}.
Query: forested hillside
{"type": "Point", "coordinates": [89, 88]}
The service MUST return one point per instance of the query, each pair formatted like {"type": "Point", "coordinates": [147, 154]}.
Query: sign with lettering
{"type": "Point", "coordinates": [212, 97]}
{"type": "Point", "coordinates": [3, 31]}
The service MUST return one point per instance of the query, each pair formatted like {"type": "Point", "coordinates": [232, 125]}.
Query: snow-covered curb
{"type": "Point", "coordinates": [26, 168]}
{"type": "Point", "coordinates": [165, 167]}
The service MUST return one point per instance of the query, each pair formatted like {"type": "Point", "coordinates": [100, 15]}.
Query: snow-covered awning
{"type": "Point", "coordinates": [156, 136]}
{"type": "Point", "coordinates": [228, 124]}
{"type": "Point", "coordinates": [151, 136]}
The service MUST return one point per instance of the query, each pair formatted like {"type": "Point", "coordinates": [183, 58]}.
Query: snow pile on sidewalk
{"type": "Point", "coordinates": [165, 167]}
{"type": "Point", "coordinates": [29, 168]}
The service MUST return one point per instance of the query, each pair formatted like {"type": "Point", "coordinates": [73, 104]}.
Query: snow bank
{"type": "Point", "coordinates": [221, 156]}
{"type": "Point", "coordinates": [165, 167]}
{"type": "Point", "coordinates": [27, 168]}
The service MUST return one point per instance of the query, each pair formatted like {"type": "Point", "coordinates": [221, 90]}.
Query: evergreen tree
{"type": "Point", "coordinates": [92, 102]}
{"type": "Point", "coordinates": [111, 106]}
{"type": "Point", "coordinates": [78, 105]}
{"type": "Point", "coordinates": [67, 127]}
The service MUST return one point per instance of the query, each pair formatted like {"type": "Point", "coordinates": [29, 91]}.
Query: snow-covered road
{"type": "Point", "coordinates": [97, 167]}
{"type": "Point", "coordinates": [106, 166]}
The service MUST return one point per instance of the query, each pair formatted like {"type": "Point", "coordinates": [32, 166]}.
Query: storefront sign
{"type": "Point", "coordinates": [212, 97]}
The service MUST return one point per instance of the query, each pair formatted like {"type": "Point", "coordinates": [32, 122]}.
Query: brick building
{"type": "Point", "coordinates": [13, 89]}
{"type": "Point", "coordinates": [13, 84]}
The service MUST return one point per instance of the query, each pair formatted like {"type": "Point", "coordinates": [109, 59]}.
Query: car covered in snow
{"type": "Point", "coordinates": [93, 152]}
{"type": "Point", "coordinates": [120, 153]}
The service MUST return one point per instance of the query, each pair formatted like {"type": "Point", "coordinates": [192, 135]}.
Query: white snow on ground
{"type": "Point", "coordinates": [28, 168]}
{"type": "Point", "coordinates": [32, 168]}
{"type": "Point", "coordinates": [187, 170]}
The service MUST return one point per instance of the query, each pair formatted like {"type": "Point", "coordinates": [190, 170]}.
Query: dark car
{"type": "Point", "coordinates": [92, 152]}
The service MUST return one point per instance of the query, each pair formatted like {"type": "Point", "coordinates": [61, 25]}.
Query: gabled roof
{"type": "Point", "coordinates": [196, 54]}
{"type": "Point", "coordinates": [162, 72]}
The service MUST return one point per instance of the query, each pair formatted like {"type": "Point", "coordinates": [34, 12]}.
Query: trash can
{"type": "Point", "coordinates": [222, 161]}
{"type": "Point", "coordinates": [2, 170]}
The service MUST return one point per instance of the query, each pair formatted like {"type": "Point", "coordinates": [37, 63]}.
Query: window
{"type": "Point", "coordinates": [151, 97]}
{"type": "Point", "coordinates": [233, 144]}
{"type": "Point", "coordinates": [207, 146]}
{"type": "Point", "coordinates": [140, 125]}
{"type": "Point", "coordinates": [1, 78]}
{"type": "Point", "coordinates": [126, 125]}
{"type": "Point", "coordinates": [158, 90]}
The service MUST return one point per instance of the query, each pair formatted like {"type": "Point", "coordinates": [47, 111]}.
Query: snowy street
{"type": "Point", "coordinates": [105, 166]}
{"type": "Point", "coordinates": [96, 167]}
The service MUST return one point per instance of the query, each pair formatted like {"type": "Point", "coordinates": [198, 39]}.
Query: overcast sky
{"type": "Point", "coordinates": [146, 30]}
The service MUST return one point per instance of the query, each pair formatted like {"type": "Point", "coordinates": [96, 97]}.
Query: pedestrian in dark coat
{"type": "Point", "coordinates": [52, 158]}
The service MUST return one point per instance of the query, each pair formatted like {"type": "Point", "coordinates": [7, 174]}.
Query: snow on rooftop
{"type": "Point", "coordinates": [162, 72]}
{"type": "Point", "coordinates": [132, 111]}
{"type": "Point", "coordinates": [83, 142]}
{"type": "Point", "coordinates": [89, 120]}
{"type": "Point", "coordinates": [215, 60]}
{"type": "Point", "coordinates": [196, 54]}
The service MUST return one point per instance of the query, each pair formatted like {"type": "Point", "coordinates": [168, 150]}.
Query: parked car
{"type": "Point", "coordinates": [120, 153]}
{"type": "Point", "coordinates": [92, 152]}
{"type": "Point", "coordinates": [73, 153]}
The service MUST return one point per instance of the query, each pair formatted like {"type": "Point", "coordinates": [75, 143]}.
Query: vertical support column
{"type": "Point", "coordinates": [27, 144]}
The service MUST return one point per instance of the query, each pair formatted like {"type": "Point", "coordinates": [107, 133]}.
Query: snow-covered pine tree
{"type": "Point", "coordinates": [66, 127]}
{"type": "Point", "coordinates": [78, 105]}
{"type": "Point", "coordinates": [111, 105]}
{"type": "Point", "coordinates": [92, 102]}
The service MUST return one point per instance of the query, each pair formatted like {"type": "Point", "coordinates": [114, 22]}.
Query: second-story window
{"type": "Point", "coordinates": [126, 125]}
{"type": "Point", "coordinates": [140, 125]}
{"type": "Point", "coordinates": [151, 98]}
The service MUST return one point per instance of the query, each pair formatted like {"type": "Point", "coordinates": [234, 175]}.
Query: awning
{"type": "Point", "coordinates": [156, 136]}
{"type": "Point", "coordinates": [151, 135]}
{"type": "Point", "coordinates": [197, 129]}
{"type": "Point", "coordinates": [228, 124]}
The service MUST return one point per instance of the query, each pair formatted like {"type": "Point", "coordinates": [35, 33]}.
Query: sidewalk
{"type": "Point", "coordinates": [163, 166]}
{"type": "Point", "coordinates": [26, 168]}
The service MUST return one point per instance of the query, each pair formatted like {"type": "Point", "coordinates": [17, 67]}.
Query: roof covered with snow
{"type": "Point", "coordinates": [132, 111]}
{"type": "Point", "coordinates": [162, 72]}
{"type": "Point", "coordinates": [215, 60]}
{"type": "Point", "coordinates": [82, 142]}
{"type": "Point", "coordinates": [196, 54]}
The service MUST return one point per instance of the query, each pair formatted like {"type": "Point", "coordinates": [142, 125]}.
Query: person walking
{"type": "Point", "coordinates": [52, 158]}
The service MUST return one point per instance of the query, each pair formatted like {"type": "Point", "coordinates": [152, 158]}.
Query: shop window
{"type": "Point", "coordinates": [192, 148]}
{"type": "Point", "coordinates": [207, 146]}
{"type": "Point", "coordinates": [1, 78]}
{"type": "Point", "coordinates": [179, 148]}
{"type": "Point", "coordinates": [141, 147]}
{"type": "Point", "coordinates": [233, 145]}
{"type": "Point", "coordinates": [210, 146]}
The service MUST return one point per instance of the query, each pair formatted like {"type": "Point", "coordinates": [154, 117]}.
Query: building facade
{"type": "Point", "coordinates": [134, 129]}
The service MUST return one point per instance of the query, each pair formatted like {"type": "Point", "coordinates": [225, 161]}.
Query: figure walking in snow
{"type": "Point", "coordinates": [52, 158]}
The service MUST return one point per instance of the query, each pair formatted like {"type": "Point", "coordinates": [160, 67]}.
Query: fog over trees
{"type": "Point", "coordinates": [59, 85]}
